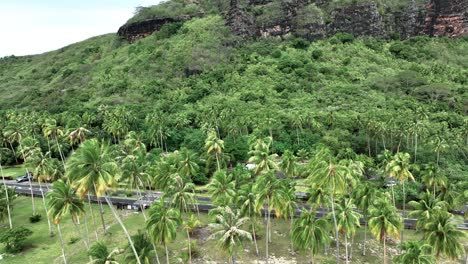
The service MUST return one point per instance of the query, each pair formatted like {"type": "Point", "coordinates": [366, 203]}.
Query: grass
{"type": "Point", "coordinates": [14, 171]}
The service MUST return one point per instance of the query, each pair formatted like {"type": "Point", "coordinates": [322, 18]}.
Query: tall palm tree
{"type": "Point", "coordinates": [62, 201]}
{"type": "Point", "coordinates": [222, 188]}
{"type": "Point", "coordinates": [432, 176]}
{"type": "Point", "coordinates": [54, 131]}
{"type": "Point", "coordinates": [78, 135]}
{"type": "Point", "coordinates": [101, 254]}
{"type": "Point", "coordinates": [326, 174]}
{"type": "Point", "coordinates": [247, 201]}
{"type": "Point", "coordinates": [7, 197]}
{"type": "Point", "coordinates": [364, 195]}
{"type": "Point", "coordinates": [443, 235]}
{"type": "Point", "coordinates": [215, 145]}
{"type": "Point", "coordinates": [384, 222]}
{"type": "Point", "coordinates": [228, 231]}
{"type": "Point", "coordinates": [261, 157]}
{"type": "Point", "coordinates": [310, 233]}
{"type": "Point", "coordinates": [271, 192]}
{"type": "Point", "coordinates": [91, 167]}
{"type": "Point", "coordinates": [399, 168]}
{"type": "Point", "coordinates": [289, 163]}
{"type": "Point", "coordinates": [348, 221]}
{"type": "Point", "coordinates": [416, 252]}
{"type": "Point", "coordinates": [187, 166]}
{"type": "Point", "coordinates": [143, 246]}
{"type": "Point", "coordinates": [425, 208]}
{"type": "Point", "coordinates": [162, 224]}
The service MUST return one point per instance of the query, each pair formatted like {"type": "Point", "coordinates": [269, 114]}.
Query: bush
{"type": "Point", "coordinates": [73, 240]}
{"type": "Point", "coordinates": [14, 238]}
{"type": "Point", "coordinates": [317, 54]}
{"type": "Point", "coordinates": [300, 43]}
{"type": "Point", "coordinates": [35, 218]}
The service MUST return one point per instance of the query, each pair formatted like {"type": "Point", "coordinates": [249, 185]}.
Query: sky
{"type": "Point", "coordinates": [36, 26]}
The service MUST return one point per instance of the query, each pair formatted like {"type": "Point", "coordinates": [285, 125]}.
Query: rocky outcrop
{"type": "Point", "coordinates": [315, 19]}
{"type": "Point", "coordinates": [134, 31]}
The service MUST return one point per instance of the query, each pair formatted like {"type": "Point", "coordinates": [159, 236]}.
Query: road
{"type": "Point", "coordinates": [149, 197]}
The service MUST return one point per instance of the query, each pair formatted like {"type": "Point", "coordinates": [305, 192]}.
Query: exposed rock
{"type": "Point", "coordinates": [239, 21]}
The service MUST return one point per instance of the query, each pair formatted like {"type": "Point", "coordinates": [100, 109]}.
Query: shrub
{"type": "Point", "coordinates": [14, 238]}
{"type": "Point", "coordinates": [300, 43]}
{"type": "Point", "coordinates": [317, 54]}
{"type": "Point", "coordinates": [35, 218]}
{"type": "Point", "coordinates": [73, 240]}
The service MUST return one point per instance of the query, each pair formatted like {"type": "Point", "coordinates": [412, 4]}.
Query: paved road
{"type": "Point", "coordinates": [149, 197]}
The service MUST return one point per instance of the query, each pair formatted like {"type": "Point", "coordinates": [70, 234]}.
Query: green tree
{"type": "Point", "coordinates": [222, 188]}
{"type": "Point", "coordinates": [289, 164]}
{"type": "Point", "coordinates": [425, 208]}
{"type": "Point", "coordinates": [91, 167]}
{"type": "Point", "coordinates": [310, 233]}
{"type": "Point", "coordinates": [228, 231]}
{"type": "Point", "coordinates": [384, 222]}
{"type": "Point", "coordinates": [215, 145]}
{"type": "Point", "coordinates": [442, 234]}
{"type": "Point", "coordinates": [364, 195]}
{"type": "Point", "coordinates": [8, 198]}
{"type": "Point", "coordinates": [261, 157]}
{"type": "Point", "coordinates": [415, 252]}
{"type": "Point", "coordinates": [162, 224]}
{"type": "Point", "coordinates": [101, 255]}
{"type": "Point", "coordinates": [247, 200]}
{"type": "Point", "coordinates": [347, 221]}
{"type": "Point", "coordinates": [433, 177]}
{"type": "Point", "coordinates": [14, 238]}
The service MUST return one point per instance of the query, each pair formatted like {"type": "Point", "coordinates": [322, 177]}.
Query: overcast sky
{"type": "Point", "coordinates": [36, 26]}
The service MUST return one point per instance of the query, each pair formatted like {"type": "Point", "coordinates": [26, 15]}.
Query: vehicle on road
{"type": "Point", "coordinates": [24, 178]}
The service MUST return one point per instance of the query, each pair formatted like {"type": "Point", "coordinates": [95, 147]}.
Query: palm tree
{"type": "Point", "coordinates": [78, 135]}
{"type": "Point", "coordinates": [101, 255]}
{"type": "Point", "coordinates": [162, 224]}
{"type": "Point", "coordinates": [431, 176]}
{"type": "Point", "coordinates": [261, 157]}
{"type": "Point", "coordinates": [228, 231]}
{"type": "Point", "coordinates": [91, 167]}
{"type": "Point", "coordinates": [222, 188]}
{"type": "Point", "coordinates": [364, 195]}
{"type": "Point", "coordinates": [214, 145]}
{"type": "Point", "coordinates": [7, 197]}
{"type": "Point", "coordinates": [384, 222]}
{"type": "Point", "coordinates": [415, 252]}
{"type": "Point", "coordinates": [54, 131]}
{"type": "Point", "coordinates": [326, 174]}
{"type": "Point", "coordinates": [310, 233]}
{"type": "Point", "coordinates": [62, 201]}
{"type": "Point", "coordinates": [425, 208]}
{"type": "Point", "coordinates": [143, 246]}
{"type": "Point", "coordinates": [270, 191]}
{"type": "Point", "coordinates": [289, 163]}
{"type": "Point", "coordinates": [398, 168]}
{"type": "Point", "coordinates": [348, 221]}
{"type": "Point", "coordinates": [443, 235]}
{"type": "Point", "coordinates": [187, 166]}
{"type": "Point", "coordinates": [247, 201]}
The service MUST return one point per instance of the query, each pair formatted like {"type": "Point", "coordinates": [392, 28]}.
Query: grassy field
{"type": "Point", "coordinates": [14, 171]}
{"type": "Point", "coordinates": [45, 249]}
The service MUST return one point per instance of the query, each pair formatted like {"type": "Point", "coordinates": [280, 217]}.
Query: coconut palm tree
{"type": "Point", "coordinates": [442, 234]}
{"type": "Point", "coordinates": [78, 135]}
{"type": "Point", "coordinates": [7, 197]}
{"type": "Point", "coordinates": [247, 200]}
{"type": "Point", "coordinates": [432, 176]}
{"type": "Point", "coordinates": [310, 233]}
{"type": "Point", "coordinates": [288, 163]}
{"type": "Point", "coordinates": [91, 168]}
{"type": "Point", "coordinates": [62, 201]}
{"type": "Point", "coordinates": [261, 157]}
{"type": "Point", "coordinates": [348, 221]}
{"type": "Point", "coordinates": [271, 192]}
{"type": "Point", "coordinates": [425, 208]}
{"type": "Point", "coordinates": [228, 231]}
{"type": "Point", "coordinates": [143, 246]}
{"type": "Point", "coordinates": [54, 131]}
{"type": "Point", "coordinates": [364, 195]}
{"type": "Point", "coordinates": [384, 222]}
{"type": "Point", "coordinates": [222, 188]}
{"type": "Point", "coordinates": [187, 166]}
{"type": "Point", "coordinates": [326, 174]}
{"type": "Point", "coordinates": [416, 252]}
{"type": "Point", "coordinates": [101, 255]}
{"type": "Point", "coordinates": [399, 168]}
{"type": "Point", "coordinates": [215, 145]}
{"type": "Point", "coordinates": [162, 224]}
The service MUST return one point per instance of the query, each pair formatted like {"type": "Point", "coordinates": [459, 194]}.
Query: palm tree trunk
{"type": "Point", "coordinates": [351, 248]}
{"type": "Point", "coordinates": [167, 254]}
{"type": "Point", "coordinates": [32, 194]}
{"type": "Point", "coordinates": [14, 153]}
{"type": "Point", "coordinates": [384, 250]}
{"type": "Point", "coordinates": [393, 197]}
{"type": "Point", "coordinates": [217, 161]}
{"type": "Point", "coordinates": [254, 236]}
{"type": "Point", "coordinates": [336, 231]}
{"type": "Point", "coordinates": [312, 256]}
{"type": "Point", "coordinates": [267, 231]}
{"type": "Point", "coordinates": [101, 211]}
{"type": "Point", "coordinates": [189, 247]}
{"type": "Point", "coordinates": [7, 195]}
{"type": "Point", "coordinates": [144, 216]}
{"type": "Point", "coordinates": [346, 248]}
{"type": "Point", "coordinates": [60, 152]}
{"type": "Point", "coordinates": [109, 202]}
{"type": "Point", "coordinates": [404, 212]}
{"type": "Point", "coordinates": [365, 235]}
{"type": "Point", "coordinates": [92, 217]}
{"type": "Point", "coordinates": [415, 146]}
{"type": "Point", "coordinates": [290, 232]}
{"type": "Point", "coordinates": [87, 228]}
{"type": "Point", "coordinates": [51, 232]}
{"type": "Point", "coordinates": [62, 244]}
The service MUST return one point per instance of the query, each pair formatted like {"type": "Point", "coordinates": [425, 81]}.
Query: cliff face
{"type": "Point", "coordinates": [307, 19]}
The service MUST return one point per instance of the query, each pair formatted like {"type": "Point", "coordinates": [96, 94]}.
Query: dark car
{"type": "Point", "coordinates": [24, 178]}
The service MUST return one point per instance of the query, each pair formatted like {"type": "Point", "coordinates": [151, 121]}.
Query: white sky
{"type": "Point", "coordinates": [36, 26]}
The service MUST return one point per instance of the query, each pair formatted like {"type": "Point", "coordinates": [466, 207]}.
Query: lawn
{"type": "Point", "coordinates": [45, 249]}
{"type": "Point", "coordinates": [14, 171]}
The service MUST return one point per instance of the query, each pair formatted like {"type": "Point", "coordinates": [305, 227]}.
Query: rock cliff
{"type": "Point", "coordinates": [315, 19]}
